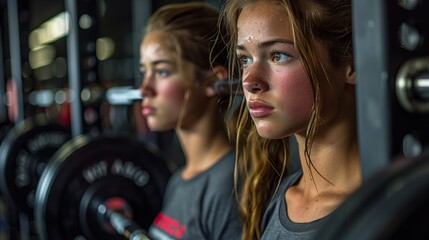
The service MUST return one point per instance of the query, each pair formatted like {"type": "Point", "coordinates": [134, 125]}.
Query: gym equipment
{"type": "Point", "coordinates": [92, 95]}
{"type": "Point", "coordinates": [92, 179]}
{"type": "Point", "coordinates": [24, 153]}
{"type": "Point", "coordinates": [4, 128]}
{"type": "Point", "coordinates": [226, 88]}
{"type": "Point", "coordinates": [94, 185]}
{"type": "Point", "coordinates": [18, 50]}
{"type": "Point", "coordinates": [395, 33]}
{"type": "Point", "coordinates": [393, 204]}
{"type": "Point", "coordinates": [412, 85]}
{"type": "Point", "coordinates": [137, 178]}
{"type": "Point", "coordinates": [3, 105]}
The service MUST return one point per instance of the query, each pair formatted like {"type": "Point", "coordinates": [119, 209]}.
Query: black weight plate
{"type": "Point", "coordinates": [392, 204]}
{"type": "Point", "coordinates": [23, 155]}
{"type": "Point", "coordinates": [86, 172]}
{"type": "Point", "coordinates": [4, 128]}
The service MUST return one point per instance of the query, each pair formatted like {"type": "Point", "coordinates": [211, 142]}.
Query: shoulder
{"type": "Point", "coordinates": [175, 177]}
{"type": "Point", "coordinates": [285, 183]}
{"type": "Point", "coordinates": [174, 183]}
{"type": "Point", "coordinates": [222, 172]}
{"type": "Point", "coordinates": [227, 161]}
{"type": "Point", "coordinates": [219, 189]}
{"type": "Point", "coordinates": [278, 198]}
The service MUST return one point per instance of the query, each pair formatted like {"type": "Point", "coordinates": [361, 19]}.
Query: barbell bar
{"type": "Point", "coordinates": [412, 85]}
{"type": "Point", "coordinates": [91, 95]}
{"type": "Point", "coordinates": [121, 224]}
{"type": "Point", "coordinates": [119, 95]}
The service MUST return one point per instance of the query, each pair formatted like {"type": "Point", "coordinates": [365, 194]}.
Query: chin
{"type": "Point", "coordinates": [266, 135]}
{"type": "Point", "coordinates": [157, 126]}
{"type": "Point", "coordinates": [269, 133]}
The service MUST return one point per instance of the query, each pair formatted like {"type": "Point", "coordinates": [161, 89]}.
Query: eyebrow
{"type": "Point", "coordinates": [268, 43]}
{"type": "Point", "coordinates": [158, 62]}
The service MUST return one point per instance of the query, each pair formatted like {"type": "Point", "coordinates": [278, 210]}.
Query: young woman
{"type": "Point", "coordinates": [296, 67]}
{"type": "Point", "coordinates": [180, 65]}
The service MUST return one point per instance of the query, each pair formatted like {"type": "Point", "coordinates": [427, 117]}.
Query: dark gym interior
{"type": "Point", "coordinates": [52, 62]}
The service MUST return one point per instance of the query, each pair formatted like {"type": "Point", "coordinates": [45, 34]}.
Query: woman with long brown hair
{"type": "Point", "coordinates": [295, 63]}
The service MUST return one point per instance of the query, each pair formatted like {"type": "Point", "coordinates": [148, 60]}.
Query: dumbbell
{"type": "Point", "coordinates": [105, 187]}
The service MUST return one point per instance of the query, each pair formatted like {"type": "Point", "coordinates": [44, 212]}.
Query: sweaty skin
{"type": "Point", "coordinates": [280, 99]}
{"type": "Point", "coordinates": [277, 89]}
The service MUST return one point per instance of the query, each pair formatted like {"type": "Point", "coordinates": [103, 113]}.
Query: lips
{"type": "Point", "coordinates": [259, 109]}
{"type": "Point", "coordinates": [147, 110]}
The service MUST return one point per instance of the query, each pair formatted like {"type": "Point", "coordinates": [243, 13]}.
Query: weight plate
{"type": "Point", "coordinates": [88, 172]}
{"type": "Point", "coordinates": [4, 128]}
{"type": "Point", "coordinates": [392, 204]}
{"type": "Point", "coordinates": [23, 155]}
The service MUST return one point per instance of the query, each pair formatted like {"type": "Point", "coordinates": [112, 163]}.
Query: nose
{"type": "Point", "coordinates": [147, 88]}
{"type": "Point", "coordinates": [255, 80]}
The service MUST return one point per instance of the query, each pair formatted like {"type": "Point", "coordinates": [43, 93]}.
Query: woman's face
{"type": "Point", "coordinates": [278, 91]}
{"type": "Point", "coordinates": [163, 85]}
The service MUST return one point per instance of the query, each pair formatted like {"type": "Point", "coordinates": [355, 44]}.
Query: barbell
{"type": "Point", "coordinates": [62, 184]}
{"type": "Point", "coordinates": [120, 95]}
{"type": "Point", "coordinates": [100, 188]}
{"type": "Point", "coordinates": [30, 144]}
{"type": "Point", "coordinates": [91, 95]}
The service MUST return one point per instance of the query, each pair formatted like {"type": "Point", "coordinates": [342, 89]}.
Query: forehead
{"type": "Point", "coordinates": [156, 45]}
{"type": "Point", "coordinates": [261, 20]}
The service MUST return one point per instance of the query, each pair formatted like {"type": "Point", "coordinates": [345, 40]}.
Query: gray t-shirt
{"type": "Point", "coordinates": [203, 207]}
{"type": "Point", "coordinates": [276, 224]}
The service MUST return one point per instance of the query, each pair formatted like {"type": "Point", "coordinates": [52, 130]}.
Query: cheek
{"type": "Point", "coordinates": [296, 93]}
{"type": "Point", "coordinates": [172, 96]}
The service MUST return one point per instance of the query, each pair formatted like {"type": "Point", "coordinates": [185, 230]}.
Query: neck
{"type": "Point", "coordinates": [333, 163]}
{"type": "Point", "coordinates": [203, 145]}
{"type": "Point", "coordinates": [331, 172]}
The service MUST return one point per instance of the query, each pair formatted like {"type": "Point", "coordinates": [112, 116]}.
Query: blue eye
{"type": "Point", "coordinates": [280, 57]}
{"type": "Point", "coordinates": [162, 73]}
{"type": "Point", "coordinates": [244, 61]}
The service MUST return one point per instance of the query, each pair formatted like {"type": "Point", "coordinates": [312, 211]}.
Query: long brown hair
{"type": "Point", "coordinates": [262, 163]}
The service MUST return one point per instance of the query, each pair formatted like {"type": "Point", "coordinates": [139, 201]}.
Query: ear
{"type": "Point", "coordinates": [350, 74]}
{"type": "Point", "coordinates": [220, 73]}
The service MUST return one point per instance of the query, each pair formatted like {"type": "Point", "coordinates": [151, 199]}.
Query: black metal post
{"type": "Point", "coordinates": [15, 53]}
{"type": "Point", "coordinates": [82, 63]}
{"type": "Point", "coordinates": [3, 77]}
{"type": "Point", "coordinates": [382, 46]}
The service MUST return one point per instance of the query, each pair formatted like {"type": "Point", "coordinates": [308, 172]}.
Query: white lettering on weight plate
{"type": "Point", "coordinates": [95, 171]}
{"type": "Point", "coordinates": [131, 171]}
